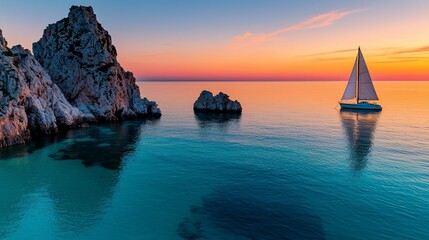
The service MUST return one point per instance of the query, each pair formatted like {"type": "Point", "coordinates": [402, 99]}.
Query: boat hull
{"type": "Point", "coordinates": [361, 106]}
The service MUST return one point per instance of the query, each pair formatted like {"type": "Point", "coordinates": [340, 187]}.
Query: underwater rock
{"type": "Point", "coordinates": [190, 229]}
{"type": "Point", "coordinates": [242, 215]}
{"type": "Point", "coordinates": [206, 102]}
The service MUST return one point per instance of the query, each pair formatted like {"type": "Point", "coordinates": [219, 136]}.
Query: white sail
{"type": "Point", "coordinates": [366, 88]}
{"type": "Point", "coordinates": [350, 92]}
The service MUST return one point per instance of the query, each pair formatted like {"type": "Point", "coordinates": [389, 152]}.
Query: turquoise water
{"type": "Point", "coordinates": [292, 166]}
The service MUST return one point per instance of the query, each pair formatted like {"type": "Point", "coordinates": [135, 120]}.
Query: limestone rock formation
{"type": "Point", "coordinates": [219, 103]}
{"type": "Point", "coordinates": [79, 56]}
{"type": "Point", "coordinates": [30, 103]}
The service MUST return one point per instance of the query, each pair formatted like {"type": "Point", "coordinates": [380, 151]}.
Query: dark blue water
{"type": "Point", "coordinates": [292, 166]}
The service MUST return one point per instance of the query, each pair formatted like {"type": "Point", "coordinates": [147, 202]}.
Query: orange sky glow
{"type": "Point", "coordinates": [321, 47]}
{"type": "Point", "coordinates": [283, 40]}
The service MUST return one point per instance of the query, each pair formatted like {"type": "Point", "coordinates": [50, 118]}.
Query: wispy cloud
{"type": "Point", "coordinates": [331, 59]}
{"type": "Point", "coordinates": [332, 52]}
{"type": "Point", "coordinates": [410, 57]}
{"type": "Point", "coordinates": [413, 50]}
{"type": "Point", "coordinates": [397, 61]}
{"type": "Point", "coordinates": [382, 55]}
{"type": "Point", "coordinates": [242, 37]}
{"type": "Point", "coordinates": [401, 54]}
{"type": "Point", "coordinates": [404, 59]}
{"type": "Point", "coordinates": [319, 21]}
{"type": "Point", "coordinates": [374, 52]}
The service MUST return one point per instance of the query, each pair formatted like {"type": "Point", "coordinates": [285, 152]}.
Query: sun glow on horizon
{"type": "Point", "coordinates": [283, 40]}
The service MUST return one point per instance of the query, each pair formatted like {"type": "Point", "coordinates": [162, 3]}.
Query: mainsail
{"type": "Point", "coordinates": [350, 92]}
{"type": "Point", "coordinates": [365, 89]}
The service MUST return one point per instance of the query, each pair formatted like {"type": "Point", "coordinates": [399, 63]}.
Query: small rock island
{"type": "Point", "coordinates": [74, 78]}
{"type": "Point", "coordinates": [206, 102]}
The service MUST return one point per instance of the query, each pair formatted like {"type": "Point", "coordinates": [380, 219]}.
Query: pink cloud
{"type": "Point", "coordinates": [242, 37]}
{"type": "Point", "coordinates": [319, 21]}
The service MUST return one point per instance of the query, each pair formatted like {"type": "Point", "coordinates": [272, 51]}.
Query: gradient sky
{"type": "Point", "coordinates": [248, 39]}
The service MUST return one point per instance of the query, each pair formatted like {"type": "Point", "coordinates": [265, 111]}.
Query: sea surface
{"type": "Point", "coordinates": [291, 166]}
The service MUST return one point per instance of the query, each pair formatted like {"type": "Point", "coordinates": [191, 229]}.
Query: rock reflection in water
{"type": "Point", "coordinates": [78, 195]}
{"type": "Point", "coordinates": [207, 119]}
{"type": "Point", "coordinates": [29, 147]}
{"type": "Point", "coordinates": [359, 127]}
{"type": "Point", "coordinates": [217, 126]}
{"type": "Point", "coordinates": [104, 145]}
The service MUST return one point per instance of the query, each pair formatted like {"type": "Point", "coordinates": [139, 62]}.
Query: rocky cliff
{"type": "Point", "coordinates": [79, 56]}
{"type": "Point", "coordinates": [30, 103]}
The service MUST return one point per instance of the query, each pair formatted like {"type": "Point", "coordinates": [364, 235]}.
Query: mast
{"type": "Point", "coordinates": [357, 76]}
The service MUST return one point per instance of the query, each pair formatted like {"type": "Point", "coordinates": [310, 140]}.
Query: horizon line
{"type": "Point", "coordinates": [268, 80]}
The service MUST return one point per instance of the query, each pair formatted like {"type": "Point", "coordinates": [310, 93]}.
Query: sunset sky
{"type": "Point", "coordinates": [247, 40]}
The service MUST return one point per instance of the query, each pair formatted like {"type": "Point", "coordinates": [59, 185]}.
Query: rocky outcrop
{"type": "Point", "coordinates": [79, 56]}
{"type": "Point", "coordinates": [30, 103]}
{"type": "Point", "coordinates": [219, 103]}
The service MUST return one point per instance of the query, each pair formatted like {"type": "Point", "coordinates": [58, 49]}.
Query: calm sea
{"type": "Point", "coordinates": [291, 166]}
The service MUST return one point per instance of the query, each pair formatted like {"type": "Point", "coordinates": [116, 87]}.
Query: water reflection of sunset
{"type": "Point", "coordinates": [301, 95]}
{"type": "Point", "coordinates": [282, 101]}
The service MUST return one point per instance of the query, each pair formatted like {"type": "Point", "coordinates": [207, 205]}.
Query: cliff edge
{"type": "Point", "coordinates": [30, 103]}
{"type": "Point", "coordinates": [79, 56]}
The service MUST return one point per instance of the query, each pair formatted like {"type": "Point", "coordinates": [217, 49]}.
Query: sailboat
{"type": "Point", "coordinates": [360, 87]}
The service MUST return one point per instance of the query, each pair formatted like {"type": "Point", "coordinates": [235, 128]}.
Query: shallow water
{"type": "Point", "coordinates": [291, 166]}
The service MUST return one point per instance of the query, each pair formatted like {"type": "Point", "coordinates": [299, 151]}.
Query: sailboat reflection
{"type": "Point", "coordinates": [359, 127]}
